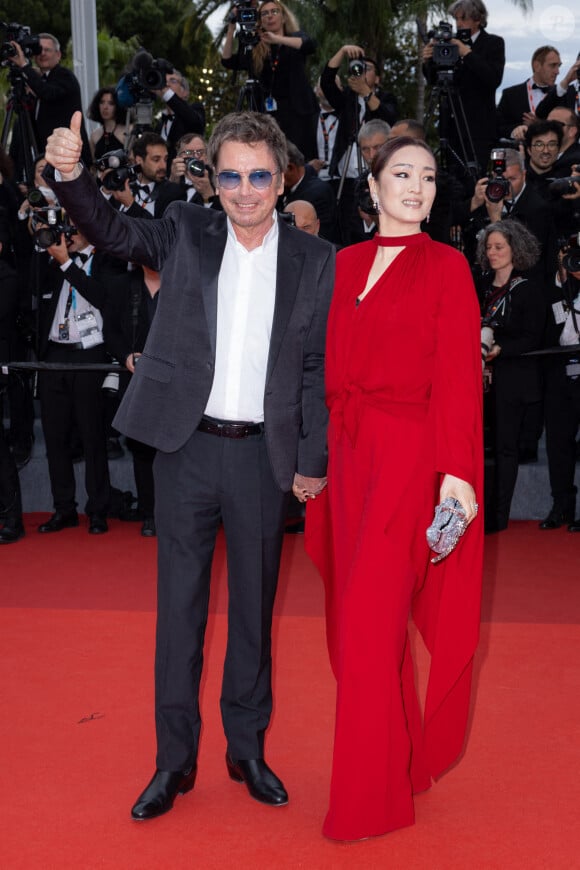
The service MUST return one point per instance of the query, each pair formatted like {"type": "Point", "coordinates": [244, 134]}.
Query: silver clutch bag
{"type": "Point", "coordinates": [449, 523]}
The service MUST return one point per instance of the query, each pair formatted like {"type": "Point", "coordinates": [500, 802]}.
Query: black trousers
{"type": "Point", "coordinates": [208, 479]}
{"type": "Point", "coordinates": [68, 398]}
{"type": "Point", "coordinates": [10, 500]}
{"type": "Point", "coordinates": [562, 411]}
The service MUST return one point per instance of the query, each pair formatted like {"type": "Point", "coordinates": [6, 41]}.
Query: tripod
{"type": "Point", "coordinates": [20, 105]}
{"type": "Point", "coordinates": [452, 119]}
{"type": "Point", "coordinates": [250, 96]}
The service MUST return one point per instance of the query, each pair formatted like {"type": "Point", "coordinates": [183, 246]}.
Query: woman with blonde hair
{"type": "Point", "coordinates": [278, 61]}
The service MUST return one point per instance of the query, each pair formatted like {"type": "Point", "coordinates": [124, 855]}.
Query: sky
{"type": "Point", "coordinates": [556, 24]}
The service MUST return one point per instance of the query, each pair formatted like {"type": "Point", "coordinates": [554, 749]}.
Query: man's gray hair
{"type": "Point", "coordinates": [514, 158]}
{"type": "Point", "coordinates": [373, 128]}
{"type": "Point", "coordinates": [52, 38]}
{"type": "Point", "coordinates": [249, 128]}
{"type": "Point", "coordinates": [475, 9]}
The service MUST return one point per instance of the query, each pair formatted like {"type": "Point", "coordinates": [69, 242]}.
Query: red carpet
{"type": "Point", "coordinates": [77, 732]}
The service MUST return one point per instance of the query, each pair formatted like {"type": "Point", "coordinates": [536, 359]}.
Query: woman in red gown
{"type": "Point", "coordinates": [403, 384]}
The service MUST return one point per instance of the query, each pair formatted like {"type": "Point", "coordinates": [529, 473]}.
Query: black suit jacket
{"type": "Point", "coordinates": [187, 118]}
{"type": "Point", "coordinates": [169, 391]}
{"type": "Point", "coordinates": [476, 79]}
{"type": "Point", "coordinates": [59, 96]}
{"type": "Point", "coordinates": [512, 105]}
{"type": "Point", "coordinates": [552, 101]}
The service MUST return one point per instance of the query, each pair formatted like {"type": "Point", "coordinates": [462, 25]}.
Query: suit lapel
{"type": "Point", "coordinates": [213, 243]}
{"type": "Point", "coordinates": [288, 275]}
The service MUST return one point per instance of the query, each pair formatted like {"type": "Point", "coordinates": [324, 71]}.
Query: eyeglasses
{"type": "Point", "coordinates": [195, 152]}
{"type": "Point", "coordinates": [261, 179]}
{"type": "Point", "coordinates": [543, 146]}
{"type": "Point", "coordinates": [270, 12]}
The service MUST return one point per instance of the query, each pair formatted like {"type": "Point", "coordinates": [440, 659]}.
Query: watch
{"type": "Point", "coordinates": [368, 96]}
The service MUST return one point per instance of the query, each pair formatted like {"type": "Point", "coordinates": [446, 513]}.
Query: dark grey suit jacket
{"type": "Point", "coordinates": [169, 391]}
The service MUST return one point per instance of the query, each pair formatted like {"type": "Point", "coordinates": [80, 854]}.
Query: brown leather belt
{"type": "Point", "coordinates": [229, 428]}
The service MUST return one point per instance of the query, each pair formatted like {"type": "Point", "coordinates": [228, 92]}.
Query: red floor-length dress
{"type": "Point", "coordinates": [404, 392]}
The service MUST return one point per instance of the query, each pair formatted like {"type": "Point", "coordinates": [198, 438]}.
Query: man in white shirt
{"type": "Point", "coordinates": [230, 391]}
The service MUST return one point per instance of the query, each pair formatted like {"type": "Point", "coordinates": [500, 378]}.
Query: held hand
{"type": "Point", "coordinates": [571, 74]}
{"type": "Point", "coordinates": [494, 210]}
{"type": "Point", "coordinates": [494, 352]}
{"type": "Point", "coordinates": [63, 148]}
{"type": "Point", "coordinates": [359, 85]}
{"type": "Point", "coordinates": [124, 196]}
{"type": "Point", "coordinates": [307, 487]}
{"type": "Point", "coordinates": [19, 58]}
{"type": "Point", "coordinates": [177, 169]}
{"type": "Point", "coordinates": [462, 47]}
{"type": "Point", "coordinates": [520, 132]}
{"type": "Point", "coordinates": [527, 119]}
{"type": "Point", "coordinates": [270, 38]}
{"type": "Point", "coordinates": [352, 51]}
{"type": "Point", "coordinates": [478, 197]}
{"type": "Point", "coordinates": [455, 487]}
{"type": "Point", "coordinates": [428, 51]}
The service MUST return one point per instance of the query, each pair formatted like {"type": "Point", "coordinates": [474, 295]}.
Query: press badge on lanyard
{"type": "Point", "coordinates": [270, 104]}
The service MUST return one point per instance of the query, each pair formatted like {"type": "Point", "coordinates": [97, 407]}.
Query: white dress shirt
{"type": "Point", "coordinates": [245, 311]}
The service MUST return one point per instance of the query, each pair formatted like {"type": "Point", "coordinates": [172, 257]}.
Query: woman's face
{"type": "Point", "coordinates": [405, 189]}
{"type": "Point", "coordinates": [272, 18]}
{"type": "Point", "coordinates": [107, 107]}
{"type": "Point", "coordinates": [498, 251]}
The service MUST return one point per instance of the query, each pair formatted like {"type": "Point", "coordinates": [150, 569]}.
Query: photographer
{"type": "Point", "coordinates": [515, 309]}
{"type": "Point", "coordinates": [11, 527]}
{"type": "Point", "coordinates": [518, 103]}
{"type": "Point", "coordinates": [154, 192]}
{"type": "Point", "coordinates": [562, 388]}
{"type": "Point", "coordinates": [112, 134]}
{"type": "Point", "coordinates": [74, 285]}
{"type": "Point", "coordinates": [507, 195]}
{"type": "Point", "coordinates": [56, 89]}
{"type": "Point", "coordinates": [274, 53]}
{"type": "Point", "coordinates": [199, 188]}
{"type": "Point", "coordinates": [298, 185]}
{"type": "Point", "coordinates": [179, 116]}
{"type": "Point", "coordinates": [359, 102]}
{"type": "Point", "coordinates": [476, 77]}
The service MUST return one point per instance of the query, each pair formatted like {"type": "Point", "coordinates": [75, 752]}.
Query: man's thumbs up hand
{"type": "Point", "coordinates": [63, 148]}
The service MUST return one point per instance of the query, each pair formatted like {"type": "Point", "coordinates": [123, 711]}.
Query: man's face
{"type": "Point", "coordinates": [154, 164]}
{"type": "Point", "coordinates": [173, 81]}
{"type": "Point", "coordinates": [516, 177]}
{"type": "Point", "coordinates": [546, 71]}
{"type": "Point", "coordinates": [76, 243]}
{"type": "Point", "coordinates": [543, 152]}
{"type": "Point", "coordinates": [246, 206]}
{"type": "Point", "coordinates": [464, 22]}
{"type": "Point", "coordinates": [370, 146]}
{"type": "Point", "coordinates": [304, 217]}
{"type": "Point", "coordinates": [49, 56]}
{"type": "Point", "coordinates": [371, 75]}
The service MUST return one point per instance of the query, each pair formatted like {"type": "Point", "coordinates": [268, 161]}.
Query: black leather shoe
{"type": "Point", "coordinates": [11, 531]}
{"type": "Point", "coordinates": [574, 526]}
{"type": "Point", "coordinates": [261, 782]}
{"type": "Point", "coordinates": [148, 529]}
{"type": "Point", "coordinates": [557, 518]}
{"type": "Point", "coordinates": [60, 521]}
{"type": "Point", "coordinates": [159, 795]}
{"type": "Point", "coordinates": [97, 525]}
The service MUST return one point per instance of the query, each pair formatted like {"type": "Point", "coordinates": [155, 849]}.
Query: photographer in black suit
{"type": "Point", "coordinates": [476, 77]}
{"type": "Point", "coordinates": [179, 115]}
{"type": "Point", "coordinates": [300, 184]}
{"type": "Point", "coordinates": [230, 391]}
{"type": "Point", "coordinates": [518, 104]}
{"type": "Point", "coordinates": [57, 92]}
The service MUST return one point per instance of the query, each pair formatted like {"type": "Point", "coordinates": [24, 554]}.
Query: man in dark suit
{"type": "Point", "coordinates": [565, 93]}
{"type": "Point", "coordinates": [299, 184]}
{"type": "Point", "coordinates": [153, 192]}
{"type": "Point", "coordinates": [476, 77]}
{"type": "Point", "coordinates": [179, 116]}
{"type": "Point", "coordinates": [70, 334]}
{"type": "Point", "coordinates": [230, 391]}
{"type": "Point", "coordinates": [56, 88]}
{"type": "Point", "coordinates": [518, 104]}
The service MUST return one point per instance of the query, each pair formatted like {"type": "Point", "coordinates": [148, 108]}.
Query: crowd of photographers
{"type": "Point", "coordinates": [507, 195]}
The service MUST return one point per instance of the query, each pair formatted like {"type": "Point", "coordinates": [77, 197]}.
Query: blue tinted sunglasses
{"type": "Point", "coordinates": [259, 178]}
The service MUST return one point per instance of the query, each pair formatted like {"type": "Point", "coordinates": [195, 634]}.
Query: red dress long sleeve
{"type": "Point", "coordinates": [403, 383]}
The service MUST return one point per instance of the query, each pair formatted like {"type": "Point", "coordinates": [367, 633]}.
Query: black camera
{"type": "Point", "coordinates": [247, 17]}
{"type": "Point", "coordinates": [36, 198]}
{"type": "Point", "coordinates": [48, 225]}
{"type": "Point", "coordinates": [362, 194]}
{"type": "Point", "coordinates": [445, 55]}
{"type": "Point", "coordinates": [29, 43]}
{"type": "Point", "coordinates": [571, 253]}
{"type": "Point", "coordinates": [498, 187]}
{"type": "Point", "coordinates": [145, 74]}
{"type": "Point", "coordinates": [562, 186]}
{"type": "Point", "coordinates": [357, 67]}
{"type": "Point", "coordinates": [120, 169]}
{"type": "Point", "coordinates": [195, 167]}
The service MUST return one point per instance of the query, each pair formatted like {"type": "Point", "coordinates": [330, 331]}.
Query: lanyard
{"type": "Point", "coordinates": [326, 134]}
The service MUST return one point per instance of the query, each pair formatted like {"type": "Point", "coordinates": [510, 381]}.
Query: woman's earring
{"type": "Point", "coordinates": [377, 206]}
{"type": "Point", "coordinates": [428, 218]}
